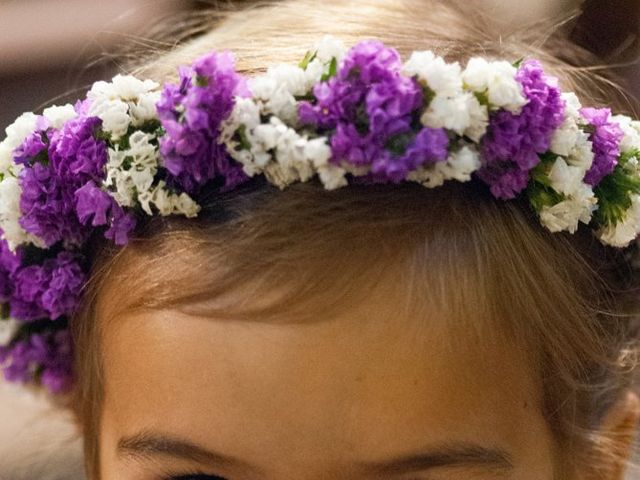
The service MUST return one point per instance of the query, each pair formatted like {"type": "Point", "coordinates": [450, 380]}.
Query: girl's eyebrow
{"type": "Point", "coordinates": [460, 455]}
{"type": "Point", "coordinates": [148, 444]}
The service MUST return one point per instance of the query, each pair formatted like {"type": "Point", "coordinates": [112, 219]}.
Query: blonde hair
{"type": "Point", "coordinates": [453, 248]}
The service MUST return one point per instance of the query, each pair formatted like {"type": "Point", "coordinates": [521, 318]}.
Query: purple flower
{"type": "Point", "coordinates": [31, 147]}
{"type": "Point", "coordinates": [370, 108]}
{"type": "Point", "coordinates": [192, 113]}
{"type": "Point", "coordinates": [75, 152]}
{"type": "Point", "coordinates": [96, 207]}
{"type": "Point", "coordinates": [605, 137]}
{"type": "Point", "coordinates": [46, 356]}
{"type": "Point", "coordinates": [48, 189]}
{"type": "Point", "coordinates": [513, 142]}
{"type": "Point", "coordinates": [48, 291]}
{"type": "Point", "coordinates": [9, 264]}
{"type": "Point", "coordinates": [429, 146]}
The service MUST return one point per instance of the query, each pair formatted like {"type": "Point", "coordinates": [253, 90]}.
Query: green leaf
{"type": "Point", "coordinates": [541, 195]}
{"type": "Point", "coordinates": [4, 311]}
{"type": "Point", "coordinates": [518, 63]}
{"type": "Point", "coordinates": [333, 70]}
{"type": "Point", "coordinates": [201, 81]}
{"type": "Point", "coordinates": [625, 157]}
{"type": "Point", "coordinates": [241, 137]}
{"type": "Point", "coordinates": [428, 95]}
{"type": "Point", "coordinates": [308, 58]}
{"type": "Point", "coordinates": [540, 192]}
{"type": "Point", "coordinates": [483, 97]}
{"type": "Point", "coordinates": [614, 193]}
{"type": "Point", "coordinates": [398, 144]}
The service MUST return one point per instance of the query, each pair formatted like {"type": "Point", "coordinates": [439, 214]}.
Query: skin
{"type": "Point", "coordinates": [368, 394]}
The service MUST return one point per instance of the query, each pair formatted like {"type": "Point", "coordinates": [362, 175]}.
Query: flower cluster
{"type": "Point", "coordinates": [514, 141]}
{"type": "Point", "coordinates": [134, 149]}
{"type": "Point", "coordinates": [263, 132]}
{"type": "Point", "coordinates": [370, 108]}
{"type": "Point", "coordinates": [192, 113]}
{"type": "Point", "coordinates": [45, 357]}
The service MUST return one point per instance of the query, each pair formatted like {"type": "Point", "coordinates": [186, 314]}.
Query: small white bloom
{"type": "Point", "coordinates": [114, 115]}
{"type": "Point", "coordinates": [57, 116]}
{"type": "Point", "coordinates": [458, 166]}
{"type": "Point", "coordinates": [631, 129]}
{"type": "Point", "coordinates": [626, 230]}
{"type": "Point", "coordinates": [565, 138]}
{"type": "Point", "coordinates": [274, 98]}
{"type": "Point", "coordinates": [144, 109]}
{"type": "Point", "coordinates": [570, 140]}
{"type": "Point", "coordinates": [328, 48]}
{"type": "Point", "coordinates": [566, 215]}
{"type": "Point", "coordinates": [441, 77]}
{"type": "Point", "coordinates": [498, 80]}
{"type": "Point", "coordinates": [8, 329]}
{"type": "Point", "coordinates": [167, 202]}
{"type": "Point", "coordinates": [10, 190]}
{"type": "Point", "coordinates": [332, 176]}
{"type": "Point", "coordinates": [565, 179]}
{"type": "Point", "coordinates": [318, 151]}
{"type": "Point", "coordinates": [10, 213]}
{"type": "Point", "coordinates": [20, 129]}
{"type": "Point", "coordinates": [122, 102]}
{"type": "Point", "coordinates": [462, 114]}
{"type": "Point", "coordinates": [126, 184]}
{"type": "Point", "coordinates": [121, 87]}
{"type": "Point", "coordinates": [290, 77]}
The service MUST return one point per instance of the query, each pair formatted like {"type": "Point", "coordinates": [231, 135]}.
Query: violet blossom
{"type": "Point", "coordinates": [513, 142]}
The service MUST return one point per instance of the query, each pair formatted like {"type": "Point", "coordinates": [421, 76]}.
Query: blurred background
{"type": "Point", "coordinates": [52, 50]}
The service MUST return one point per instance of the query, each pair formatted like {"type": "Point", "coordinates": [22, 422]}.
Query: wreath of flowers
{"type": "Point", "coordinates": [132, 148]}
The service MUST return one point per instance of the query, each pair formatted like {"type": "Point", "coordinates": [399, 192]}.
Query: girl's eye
{"type": "Point", "coordinates": [198, 476]}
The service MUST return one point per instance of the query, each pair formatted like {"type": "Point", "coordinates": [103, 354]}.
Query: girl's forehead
{"type": "Point", "coordinates": [361, 387]}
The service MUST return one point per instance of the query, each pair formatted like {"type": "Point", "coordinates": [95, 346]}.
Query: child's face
{"type": "Point", "coordinates": [372, 394]}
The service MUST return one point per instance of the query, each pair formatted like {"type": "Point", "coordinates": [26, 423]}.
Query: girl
{"type": "Point", "coordinates": [378, 329]}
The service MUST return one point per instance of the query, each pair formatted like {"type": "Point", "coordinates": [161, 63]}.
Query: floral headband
{"type": "Point", "coordinates": [132, 149]}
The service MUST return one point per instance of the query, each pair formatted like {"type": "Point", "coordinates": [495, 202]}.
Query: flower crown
{"type": "Point", "coordinates": [132, 149]}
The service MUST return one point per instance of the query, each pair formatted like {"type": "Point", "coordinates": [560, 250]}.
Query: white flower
{"type": "Point", "coordinates": [144, 109]}
{"type": "Point", "coordinates": [328, 48]}
{"type": "Point", "coordinates": [246, 114]}
{"type": "Point", "coordinates": [462, 113]}
{"type": "Point", "coordinates": [498, 80]}
{"type": "Point", "coordinates": [57, 116]}
{"type": "Point", "coordinates": [121, 87]}
{"type": "Point", "coordinates": [289, 77]}
{"type": "Point", "coordinates": [125, 184]}
{"type": "Point", "coordinates": [122, 102]}
{"type": "Point", "coordinates": [569, 140]}
{"type": "Point", "coordinates": [114, 115]}
{"type": "Point", "coordinates": [458, 166]}
{"type": "Point", "coordinates": [168, 202]}
{"type": "Point", "coordinates": [441, 77]}
{"type": "Point", "coordinates": [566, 215]}
{"type": "Point", "coordinates": [14, 234]}
{"type": "Point", "coordinates": [565, 179]}
{"type": "Point", "coordinates": [626, 230]}
{"type": "Point", "coordinates": [278, 151]}
{"type": "Point", "coordinates": [274, 98]}
{"type": "Point", "coordinates": [8, 329]}
{"type": "Point", "coordinates": [631, 129]}
{"type": "Point", "coordinates": [10, 189]}
{"type": "Point", "coordinates": [332, 176]}
{"type": "Point", "coordinates": [451, 107]}
{"type": "Point", "coordinates": [20, 129]}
